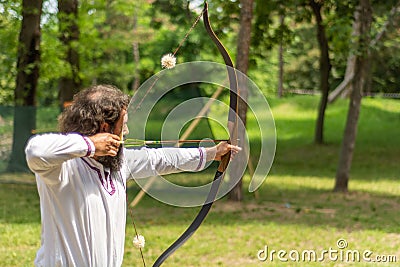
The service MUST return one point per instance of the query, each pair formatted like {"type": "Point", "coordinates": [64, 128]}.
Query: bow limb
{"type": "Point", "coordinates": [219, 175]}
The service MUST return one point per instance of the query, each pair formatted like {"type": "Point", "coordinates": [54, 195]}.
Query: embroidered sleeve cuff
{"type": "Point", "coordinates": [202, 159]}
{"type": "Point", "coordinates": [90, 147]}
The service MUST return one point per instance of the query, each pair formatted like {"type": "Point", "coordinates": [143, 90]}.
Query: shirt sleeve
{"type": "Point", "coordinates": [146, 162]}
{"type": "Point", "coordinates": [47, 152]}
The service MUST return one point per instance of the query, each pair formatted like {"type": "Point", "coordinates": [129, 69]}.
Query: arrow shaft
{"type": "Point", "coordinates": [138, 142]}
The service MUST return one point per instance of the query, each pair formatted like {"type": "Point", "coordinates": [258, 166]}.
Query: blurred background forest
{"type": "Point", "coordinates": [121, 42]}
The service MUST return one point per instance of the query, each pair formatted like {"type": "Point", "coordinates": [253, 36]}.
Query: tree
{"type": "Point", "coordinates": [325, 69]}
{"type": "Point", "coordinates": [363, 14]}
{"type": "Point", "coordinates": [242, 64]}
{"type": "Point", "coordinates": [26, 82]}
{"type": "Point", "coordinates": [70, 83]}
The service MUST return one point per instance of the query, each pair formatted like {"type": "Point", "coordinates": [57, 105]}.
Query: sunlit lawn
{"type": "Point", "coordinates": [294, 210]}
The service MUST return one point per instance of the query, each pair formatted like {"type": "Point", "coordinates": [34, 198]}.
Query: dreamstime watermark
{"type": "Point", "coordinates": [340, 253]}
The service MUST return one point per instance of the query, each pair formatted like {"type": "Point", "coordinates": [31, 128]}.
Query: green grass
{"type": "Point", "coordinates": [295, 209]}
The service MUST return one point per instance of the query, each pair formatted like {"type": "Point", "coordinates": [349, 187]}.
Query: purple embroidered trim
{"type": "Point", "coordinates": [89, 151]}
{"type": "Point", "coordinates": [201, 159]}
{"type": "Point", "coordinates": [108, 176]}
{"type": "Point", "coordinates": [101, 178]}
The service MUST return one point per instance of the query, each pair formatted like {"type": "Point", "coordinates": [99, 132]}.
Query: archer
{"type": "Point", "coordinates": [81, 176]}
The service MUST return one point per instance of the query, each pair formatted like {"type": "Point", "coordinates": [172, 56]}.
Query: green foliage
{"type": "Point", "coordinates": [267, 30]}
{"type": "Point", "coordinates": [267, 79]}
{"type": "Point", "coordinates": [384, 71]}
{"type": "Point", "coordinates": [109, 28]}
{"type": "Point", "coordinates": [107, 34]}
{"type": "Point", "coordinates": [52, 65]}
{"type": "Point", "coordinates": [9, 30]}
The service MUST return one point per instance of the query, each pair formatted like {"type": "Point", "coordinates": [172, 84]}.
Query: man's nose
{"type": "Point", "coordinates": [125, 130]}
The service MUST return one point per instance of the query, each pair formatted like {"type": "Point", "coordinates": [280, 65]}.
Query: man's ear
{"type": "Point", "coordinates": [104, 127]}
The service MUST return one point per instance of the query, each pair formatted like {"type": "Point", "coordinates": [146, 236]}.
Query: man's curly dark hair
{"type": "Point", "coordinates": [91, 107]}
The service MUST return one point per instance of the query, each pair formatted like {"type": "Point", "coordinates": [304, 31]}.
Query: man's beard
{"type": "Point", "coordinates": [114, 163]}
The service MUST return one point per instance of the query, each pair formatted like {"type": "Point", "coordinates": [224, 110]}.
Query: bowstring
{"type": "Point", "coordinates": [188, 32]}
{"type": "Point", "coordinates": [174, 53]}
{"type": "Point", "coordinates": [134, 227]}
{"type": "Point", "coordinates": [121, 136]}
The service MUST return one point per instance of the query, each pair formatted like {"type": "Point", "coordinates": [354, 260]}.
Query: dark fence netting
{"type": "Point", "coordinates": [15, 133]}
{"type": "Point", "coordinates": [6, 132]}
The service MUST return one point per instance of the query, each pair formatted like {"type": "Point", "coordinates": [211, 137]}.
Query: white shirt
{"type": "Point", "coordinates": [83, 209]}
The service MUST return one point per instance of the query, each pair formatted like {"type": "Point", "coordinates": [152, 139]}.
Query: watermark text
{"type": "Point", "coordinates": [340, 253]}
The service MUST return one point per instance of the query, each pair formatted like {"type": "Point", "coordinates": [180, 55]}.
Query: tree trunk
{"type": "Point", "coordinates": [69, 36]}
{"type": "Point", "coordinates": [280, 59]}
{"type": "Point", "coordinates": [346, 84]}
{"type": "Point", "coordinates": [345, 87]}
{"type": "Point", "coordinates": [26, 82]}
{"type": "Point", "coordinates": [242, 64]}
{"type": "Point", "coordinates": [364, 15]}
{"type": "Point", "coordinates": [325, 69]}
